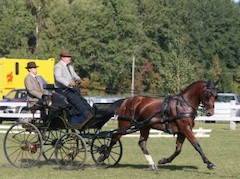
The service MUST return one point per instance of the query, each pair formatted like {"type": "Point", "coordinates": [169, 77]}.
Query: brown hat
{"type": "Point", "coordinates": [65, 53]}
{"type": "Point", "coordinates": [31, 65]}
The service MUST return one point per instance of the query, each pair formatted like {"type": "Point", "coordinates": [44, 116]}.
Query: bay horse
{"type": "Point", "coordinates": [173, 114]}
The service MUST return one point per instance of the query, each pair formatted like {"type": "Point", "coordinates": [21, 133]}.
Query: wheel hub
{"type": "Point", "coordinates": [102, 149]}
{"type": "Point", "coordinates": [72, 152]}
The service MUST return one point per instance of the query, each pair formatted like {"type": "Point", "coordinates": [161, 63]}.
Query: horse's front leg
{"type": "Point", "coordinates": [190, 136]}
{"type": "Point", "coordinates": [179, 144]}
{"type": "Point", "coordinates": [143, 145]}
{"type": "Point", "coordinates": [197, 146]}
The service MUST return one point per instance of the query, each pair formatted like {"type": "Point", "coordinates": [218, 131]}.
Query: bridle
{"type": "Point", "coordinates": [209, 91]}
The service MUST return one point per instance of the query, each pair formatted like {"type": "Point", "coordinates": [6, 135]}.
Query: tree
{"type": "Point", "coordinates": [40, 10]}
{"type": "Point", "coordinates": [103, 35]}
{"type": "Point", "coordinates": [178, 72]}
{"type": "Point", "coordinates": [16, 25]}
{"type": "Point", "coordinates": [215, 69]}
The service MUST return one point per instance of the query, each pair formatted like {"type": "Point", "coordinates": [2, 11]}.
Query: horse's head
{"type": "Point", "coordinates": [208, 97]}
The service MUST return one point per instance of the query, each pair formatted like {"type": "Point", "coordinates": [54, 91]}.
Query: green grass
{"type": "Point", "coordinates": [222, 148]}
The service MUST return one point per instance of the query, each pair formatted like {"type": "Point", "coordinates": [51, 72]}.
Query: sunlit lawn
{"type": "Point", "coordinates": [222, 148]}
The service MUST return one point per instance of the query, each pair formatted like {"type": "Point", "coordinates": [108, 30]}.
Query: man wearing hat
{"type": "Point", "coordinates": [65, 81]}
{"type": "Point", "coordinates": [34, 86]}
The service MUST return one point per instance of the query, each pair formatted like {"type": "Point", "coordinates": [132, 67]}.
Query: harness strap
{"type": "Point", "coordinates": [182, 115]}
{"type": "Point", "coordinates": [124, 118]}
{"type": "Point", "coordinates": [165, 106]}
{"type": "Point", "coordinates": [164, 112]}
{"type": "Point", "coordinates": [129, 117]}
{"type": "Point", "coordinates": [132, 110]}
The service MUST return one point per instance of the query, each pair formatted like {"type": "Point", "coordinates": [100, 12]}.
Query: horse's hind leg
{"type": "Point", "coordinates": [107, 151]}
{"type": "Point", "coordinates": [143, 145]}
{"type": "Point", "coordinates": [179, 144]}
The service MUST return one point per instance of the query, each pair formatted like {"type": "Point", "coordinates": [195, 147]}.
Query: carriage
{"type": "Point", "coordinates": [65, 144]}
{"type": "Point", "coordinates": [59, 141]}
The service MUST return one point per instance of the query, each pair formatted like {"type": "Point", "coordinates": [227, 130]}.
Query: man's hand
{"type": "Point", "coordinates": [72, 84]}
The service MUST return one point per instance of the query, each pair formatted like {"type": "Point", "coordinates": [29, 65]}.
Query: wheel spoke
{"type": "Point", "coordinates": [23, 145]}
{"type": "Point", "coordinates": [103, 155]}
{"type": "Point", "coordinates": [70, 151]}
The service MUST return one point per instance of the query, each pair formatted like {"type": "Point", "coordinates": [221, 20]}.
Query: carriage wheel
{"type": "Point", "coordinates": [50, 138]}
{"type": "Point", "coordinates": [23, 145]}
{"type": "Point", "coordinates": [71, 151]}
{"type": "Point", "coordinates": [101, 154]}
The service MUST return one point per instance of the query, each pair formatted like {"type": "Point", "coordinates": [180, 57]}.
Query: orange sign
{"type": "Point", "coordinates": [9, 77]}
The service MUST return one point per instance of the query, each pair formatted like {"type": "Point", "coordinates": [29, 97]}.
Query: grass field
{"type": "Point", "coordinates": [222, 148]}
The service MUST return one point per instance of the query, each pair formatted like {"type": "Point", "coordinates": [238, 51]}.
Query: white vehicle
{"type": "Point", "coordinates": [13, 106]}
{"type": "Point", "coordinates": [225, 104]}
{"type": "Point", "coordinates": [14, 102]}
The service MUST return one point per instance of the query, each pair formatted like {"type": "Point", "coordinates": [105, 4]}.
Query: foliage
{"type": "Point", "coordinates": [178, 38]}
{"type": "Point", "coordinates": [179, 72]}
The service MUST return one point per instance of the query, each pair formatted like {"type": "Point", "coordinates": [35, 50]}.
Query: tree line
{"type": "Point", "coordinates": [174, 43]}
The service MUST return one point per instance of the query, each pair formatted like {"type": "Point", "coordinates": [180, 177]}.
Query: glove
{"type": "Point", "coordinates": [44, 97]}
{"type": "Point", "coordinates": [46, 100]}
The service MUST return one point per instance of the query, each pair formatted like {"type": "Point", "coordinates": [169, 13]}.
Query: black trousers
{"type": "Point", "coordinates": [74, 97]}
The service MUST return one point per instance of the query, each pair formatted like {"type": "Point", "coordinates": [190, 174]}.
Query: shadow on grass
{"type": "Point", "coordinates": [178, 167]}
{"type": "Point", "coordinates": [185, 168]}
{"type": "Point", "coordinates": [166, 167]}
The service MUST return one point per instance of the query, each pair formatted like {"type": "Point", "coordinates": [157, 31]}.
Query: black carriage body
{"type": "Point", "coordinates": [59, 118]}
{"type": "Point", "coordinates": [57, 139]}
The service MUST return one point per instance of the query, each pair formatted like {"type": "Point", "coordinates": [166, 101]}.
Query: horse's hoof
{"type": "Point", "coordinates": [163, 161]}
{"type": "Point", "coordinates": [153, 167]}
{"type": "Point", "coordinates": [211, 166]}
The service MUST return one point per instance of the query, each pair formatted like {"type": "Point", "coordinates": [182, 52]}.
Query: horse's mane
{"type": "Point", "coordinates": [190, 86]}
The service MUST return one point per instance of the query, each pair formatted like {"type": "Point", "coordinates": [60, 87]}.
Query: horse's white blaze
{"type": "Point", "coordinates": [149, 159]}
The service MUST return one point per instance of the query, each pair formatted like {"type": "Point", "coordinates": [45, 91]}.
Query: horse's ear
{"type": "Point", "coordinates": [210, 85]}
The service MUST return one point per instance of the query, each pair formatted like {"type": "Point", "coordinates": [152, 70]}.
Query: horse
{"type": "Point", "coordinates": [172, 114]}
